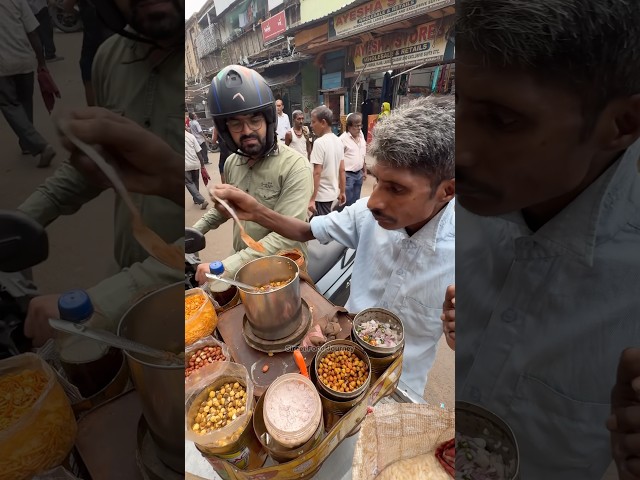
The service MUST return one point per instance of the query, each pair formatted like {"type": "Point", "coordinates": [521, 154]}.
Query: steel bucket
{"type": "Point", "coordinates": [277, 313]}
{"type": "Point", "coordinates": [158, 321]}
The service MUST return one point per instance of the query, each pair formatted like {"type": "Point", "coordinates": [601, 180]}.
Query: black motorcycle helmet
{"type": "Point", "coordinates": [238, 90]}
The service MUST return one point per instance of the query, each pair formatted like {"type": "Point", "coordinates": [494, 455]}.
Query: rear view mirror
{"type": "Point", "coordinates": [23, 242]}
{"type": "Point", "coordinates": [193, 240]}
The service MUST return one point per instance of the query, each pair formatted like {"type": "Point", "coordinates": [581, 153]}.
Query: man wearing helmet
{"type": "Point", "coordinates": [244, 112]}
{"type": "Point", "coordinates": [137, 74]}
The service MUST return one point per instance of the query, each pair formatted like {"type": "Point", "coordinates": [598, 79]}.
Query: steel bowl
{"type": "Point", "coordinates": [334, 345]}
{"type": "Point", "coordinates": [475, 421]}
{"type": "Point", "coordinates": [276, 313]}
{"type": "Point", "coordinates": [380, 315]}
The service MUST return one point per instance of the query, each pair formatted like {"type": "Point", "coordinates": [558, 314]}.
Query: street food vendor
{"type": "Point", "coordinates": [403, 234]}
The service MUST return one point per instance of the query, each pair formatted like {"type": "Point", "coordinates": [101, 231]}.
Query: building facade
{"type": "Point", "coordinates": [351, 56]}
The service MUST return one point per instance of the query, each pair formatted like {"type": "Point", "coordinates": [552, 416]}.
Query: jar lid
{"type": "Point", "coordinates": [75, 306]}
{"type": "Point", "coordinates": [216, 268]}
{"type": "Point", "coordinates": [292, 410]}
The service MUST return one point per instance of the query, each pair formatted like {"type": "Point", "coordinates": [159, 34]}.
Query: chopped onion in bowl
{"type": "Point", "coordinates": [378, 334]}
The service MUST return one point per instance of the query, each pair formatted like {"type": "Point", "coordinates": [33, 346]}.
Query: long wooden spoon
{"type": "Point", "coordinates": [246, 238]}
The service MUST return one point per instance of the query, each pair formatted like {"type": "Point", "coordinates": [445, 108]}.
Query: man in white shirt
{"type": "Point", "coordinates": [196, 131]}
{"type": "Point", "coordinates": [355, 151]}
{"type": "Point", "coordinates": [20, 55]}
{"type": "Point", "coordinates": [299, 137]}
{"type": "Point", "coordinates": [549, 225]}
{"type": "Point", "coordinates": [192, 166]}
{"type": "Point", "coordinates": [327, 159]}
{"type": "Point", "coordinates": [283, 121]}
{"type": "Point", "coordinates": [403, 234]}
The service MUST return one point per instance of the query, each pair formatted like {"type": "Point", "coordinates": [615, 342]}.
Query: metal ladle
{"type": "Point", "coordinates": [113, 340]}
{"type": "Point", "coordinates": [235, 283]}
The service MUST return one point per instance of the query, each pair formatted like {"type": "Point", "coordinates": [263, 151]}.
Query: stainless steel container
{"type": "Point", "coordinates": [333, 346]}
{"type": "Point", "coordinates": [157, 320]}
{"type": "Point", "coordinates": [380, 315]}
{"type": "Point", "coordinates": [475, 421]}
{"type": "Point", "coordinates": [276, 313]}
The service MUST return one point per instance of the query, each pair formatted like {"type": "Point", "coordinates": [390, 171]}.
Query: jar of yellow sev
{"type": "Point", "coordinates": [37, 425]}
{"type": "Point", "coordinates": [200, 317]}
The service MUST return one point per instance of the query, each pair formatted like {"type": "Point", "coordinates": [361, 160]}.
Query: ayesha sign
{"type": "Point", "coordinates": [426, 43]}
{"type": "Point", "coordinates": [380, 12]}
{"type": "Point", "coordinates": [273, 27]}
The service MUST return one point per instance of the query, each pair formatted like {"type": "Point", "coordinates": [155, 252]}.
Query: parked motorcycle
{"type": "Point", "coordinates": [67, 21]}
{"type": "Point", "coordinates": [23, 244]}
{"type": "Point", "coordinates": [211, 145]}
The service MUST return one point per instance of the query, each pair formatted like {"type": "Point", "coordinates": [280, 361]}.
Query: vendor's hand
{"type": "Point", "coordinates": [342, 198]}
{"type": "Point", "coordinates": [36, 325]}
{"type": "Point", "coordinates": [624, 422]}
{"type": "Point", "coordinates": [448, 316]}
{"type": "Point", "coordinates": [202, 269]}
{"type": "Point", "coordinates": [312, 207]}
{"type": "Point", "coordinates": [244, 204]}
{"type": "Point", "coordinates": [145, 162]}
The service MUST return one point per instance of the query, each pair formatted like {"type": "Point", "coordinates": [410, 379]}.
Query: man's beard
{"type": "Point", "coordinates": [253, 150]}
{"type": "Point", "coordinates": [159, 25]}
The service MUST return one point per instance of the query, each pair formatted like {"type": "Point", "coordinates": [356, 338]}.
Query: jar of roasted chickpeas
{"type": "Point", "coordinates": [342, 369]}
{"type": "Point", "coordinates": [219, 404]}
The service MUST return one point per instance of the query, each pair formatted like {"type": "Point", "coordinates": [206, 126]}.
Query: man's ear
{"type": "Point", "coordinates": [618, 126]}
{"type": "Point", "coordinates": [446, 190]}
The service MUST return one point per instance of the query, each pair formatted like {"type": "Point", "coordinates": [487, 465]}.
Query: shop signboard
{"type": "Point", "coordinates": [273, 27]}
{"type": "Point", "coordinates": [376, 13]}
{"type": "Point", "coordinates": [426, 43]}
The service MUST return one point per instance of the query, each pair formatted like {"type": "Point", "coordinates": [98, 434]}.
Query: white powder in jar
{"type": "Point", "coordinates": [291, 406]}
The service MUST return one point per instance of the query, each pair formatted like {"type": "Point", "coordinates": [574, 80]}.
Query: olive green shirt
{"type": "Point", "coordinates": [126, 82]}
{"type": "Point", "coordinates": [282, 182]}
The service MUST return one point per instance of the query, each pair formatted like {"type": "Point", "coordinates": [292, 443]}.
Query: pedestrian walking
{"type": "Point", "coordinates": [20, 56]}
{"type": "Point", "coordinates": [40, 9]}
{"type": "Point", "coordinates": [197, 132]}
{"type": "Point", "coordinates": [355, 151]}
{"type": "Point", "coordinates": [327, 158]}
{"type": "Point", "coordinates": [94, 33]}
{"type": "Point", "coordinates": [283, 121]}
{"type": "Point", "coordinates": [192, 166]}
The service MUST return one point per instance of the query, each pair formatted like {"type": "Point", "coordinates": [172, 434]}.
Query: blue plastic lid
{"type": "Point", "coordinates": [216, 268]}
{"type": "Point", "coordinates": [75, 306]}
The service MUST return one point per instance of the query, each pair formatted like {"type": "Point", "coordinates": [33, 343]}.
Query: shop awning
{"type": "Point", "coordinates": [282, 75]}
